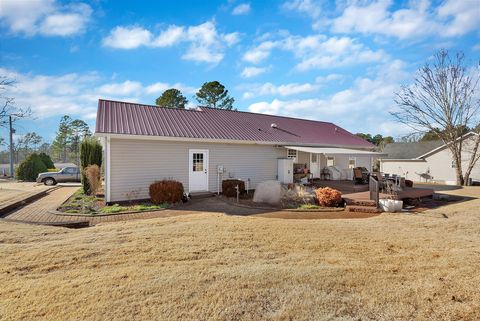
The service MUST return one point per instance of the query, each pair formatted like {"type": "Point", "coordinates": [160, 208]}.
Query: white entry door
{"type": "Point", "coordinates": [198, 170]}
{"type": "Point", "coordinates": [315, 165]}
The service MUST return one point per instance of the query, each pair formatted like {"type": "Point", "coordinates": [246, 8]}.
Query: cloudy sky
{"type": "Point", "coordinates": [334, 61]}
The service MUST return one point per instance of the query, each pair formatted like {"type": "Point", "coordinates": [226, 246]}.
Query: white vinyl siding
{"type": "Point", "coordinates": [135, 164]}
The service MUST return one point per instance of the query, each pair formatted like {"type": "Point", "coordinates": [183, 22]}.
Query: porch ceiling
{"type": "Point", "coordinates": [334, 151]}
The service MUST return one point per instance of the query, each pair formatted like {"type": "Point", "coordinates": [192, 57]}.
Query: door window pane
{"type": "Point", "coordinates": [197, 162]}
{"type": "Point", "coordinates": [352, 162]}
{"type": "Point", "coordinates": [330, 160]}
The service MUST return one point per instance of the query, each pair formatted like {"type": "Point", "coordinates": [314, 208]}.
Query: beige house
{"type": "Point", "coordinates": [201, 147]}
{"type": "Point", "coordinates": [435, 165]}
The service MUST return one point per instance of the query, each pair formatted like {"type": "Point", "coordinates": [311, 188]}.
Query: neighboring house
{"type": "Point", "coordinates": [201, 147]}
{"type": "Point", "coordinates": [428, 161]}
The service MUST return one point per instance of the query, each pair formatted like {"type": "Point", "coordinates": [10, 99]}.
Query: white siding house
{"type": "Point", "coordinates": [438, 164]}
{"type": "Point", "coordinates": [201, 147]}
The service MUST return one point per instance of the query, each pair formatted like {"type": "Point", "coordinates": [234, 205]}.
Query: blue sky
{"type": "Point", "coordinates": [333, 61]}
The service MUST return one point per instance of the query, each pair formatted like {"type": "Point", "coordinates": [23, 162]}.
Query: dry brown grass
{"type": "Point", "coordinates": [216, 267]}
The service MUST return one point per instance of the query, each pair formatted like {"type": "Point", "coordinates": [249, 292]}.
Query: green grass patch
{"type": "Point", "coordinates": [308, 207]}
{"type": "Point", "coordinates": [113, 209]}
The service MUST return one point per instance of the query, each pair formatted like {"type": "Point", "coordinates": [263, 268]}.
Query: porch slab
{"type": "Point", "coordinates": [408, 192]}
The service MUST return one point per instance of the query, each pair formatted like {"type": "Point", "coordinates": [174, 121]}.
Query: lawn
{"type": "Point", "coordinates": [210, 266]}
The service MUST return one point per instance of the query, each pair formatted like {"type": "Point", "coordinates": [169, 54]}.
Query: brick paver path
{"type": "Point", "coordinates": [38, 211]}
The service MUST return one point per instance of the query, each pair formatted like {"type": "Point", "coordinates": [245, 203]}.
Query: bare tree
{"type": "Point", "coordinates": [7, 103]}
{"type": "Point", "coordinates": [444, 100]}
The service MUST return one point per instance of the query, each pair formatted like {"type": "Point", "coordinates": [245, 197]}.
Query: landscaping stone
{"type": "Point", "coordinates": [269, 192]}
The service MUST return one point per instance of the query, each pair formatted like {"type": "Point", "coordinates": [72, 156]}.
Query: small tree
{"type": "Point", "coordinates": [92, 173]}
{"type": "Point", "coordinates": [172, 98]}
{"type": "Point", "coordinates": [29, 169]}
{"type": "Point", "coordinates": [213, 94]}
{"type": "Point", "coordinates": [46, 160]}
{"type": "Point", "coordinates": [90, 154]}
{"type": "Point", "coordinates": [443, 100]}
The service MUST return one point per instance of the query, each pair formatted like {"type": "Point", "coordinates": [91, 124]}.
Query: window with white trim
{"type": "Point", "coordinates": [330, 160]}
{"type": "Point", "coordinates": [292, 154]}
{"type": "Point", "coordinates": [313, 158]}
{"type": "Point", "coordinates": [352, 162]}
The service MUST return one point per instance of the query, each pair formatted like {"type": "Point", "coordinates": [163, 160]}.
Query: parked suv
{"type": "Point", "coordinates": [67, 174]}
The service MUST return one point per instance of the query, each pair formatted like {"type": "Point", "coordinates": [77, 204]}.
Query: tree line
{"type": "Point", "coordinates": [65, 147]}
{"type": "Point", "coordinates": [212, 94]}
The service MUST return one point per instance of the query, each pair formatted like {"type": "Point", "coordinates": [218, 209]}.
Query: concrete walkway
{"type": "Point", "coordinates": [37, 212]}
{"type": "Point", "coordinates": [13, 191]}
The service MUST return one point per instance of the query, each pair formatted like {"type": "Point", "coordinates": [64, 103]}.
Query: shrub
{"type": "Point", "coordinates": [166, 191]}
{"type": "Point", "coordinates": [90, 154]}
{"type": "Point", "coordinates": [229, 187]}
{"type": "Point", "coordinates": [328, 196]}
{"type": "Point", "coordinates": [46, 160]}
{"type": "Point", "coordinates": [29, 169]}
{"type": "Point", "coordinates": [408, 183]}
{"type": "Point", "coordinates": [92, 173]}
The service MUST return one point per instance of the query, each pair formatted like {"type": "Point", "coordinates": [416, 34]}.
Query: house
{"type": "Point", "coordinates": [427, 161]}
{"type": "Point", "coordinates": [201, 147]}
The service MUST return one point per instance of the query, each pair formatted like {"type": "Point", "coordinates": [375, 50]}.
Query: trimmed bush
{"type": "Point", "coordinates": [228, 187]}
{"type": "Point", "coordinates": [90, 154]}
{"type": "Point", "coordinates": [328, 197]}
{"type": "Point", "coordinates": [166, 191]}
{"type": "Point", "coordinates": [92, 173]}
{"type": "Point", "coordinates": [29, 169]}
{"type": "Point", "coordinates": [46, 160]}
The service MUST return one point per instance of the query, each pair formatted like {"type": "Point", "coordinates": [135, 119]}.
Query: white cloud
{"type": "Point", "coordinates": [205, 43]}
{"type": "Point", "coordinates": [249, 72]}
{"type": "Point", "coordinates": [241, 9]}
{"type": "Point", "coordinates": [169, 37]}
{"type": "Point", "coordinates": [159, 87]}
{"type": "Point", "coordinates": [307, 7]}
{"type": "Point", "coordinates": [121, 89]}
{"type": "Point", "coordinates": [44, 17]}
{"type": "Point", "coordinates": [317, 51]}
{"type": "Point", "coordinates": [269, 89]}
{"type": "Point", "coordinates": [462, 17]}
{"type": "Point", "coordinates": [417, 19]}
{"type": "Point", "coordinates": [368, 99]}
{"type": "Point", "coordinates": [78, 94]}
{"type": "Point", "coordinates": [259, 53]}
{"type": "Point", "coordinates": [128, 38]}
{"type": "Point", "coordinates": [281, 90]}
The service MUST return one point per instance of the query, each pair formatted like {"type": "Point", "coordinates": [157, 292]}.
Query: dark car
{"type": "Point", "coordinates": [67, 174]}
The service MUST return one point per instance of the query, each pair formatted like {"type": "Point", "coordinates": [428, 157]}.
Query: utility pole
{"type": "Point", "coordinates": [12, 174]}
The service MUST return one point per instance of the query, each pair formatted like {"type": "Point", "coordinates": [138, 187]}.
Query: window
{"type": "Point", "coordinates": [330, 160]}
{"type": "Point", "coordinates": [292, 153]}
{"type": "Point", "coordinates": [352, 162]}
{"type": "Point", "coordinates": [313, 158]}
{"type": "Point", "coordinates": [197, 162]}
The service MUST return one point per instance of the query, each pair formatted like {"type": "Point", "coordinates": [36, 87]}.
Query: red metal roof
{"type": "Point", "coordinates": [114, 117]}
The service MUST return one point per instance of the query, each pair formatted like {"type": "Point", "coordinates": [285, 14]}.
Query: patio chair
{"type": "Point", "coordinates": [358, 176]}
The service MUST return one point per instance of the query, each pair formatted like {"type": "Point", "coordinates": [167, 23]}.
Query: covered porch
{"type": "Point", "coordinates": [317, 164]}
